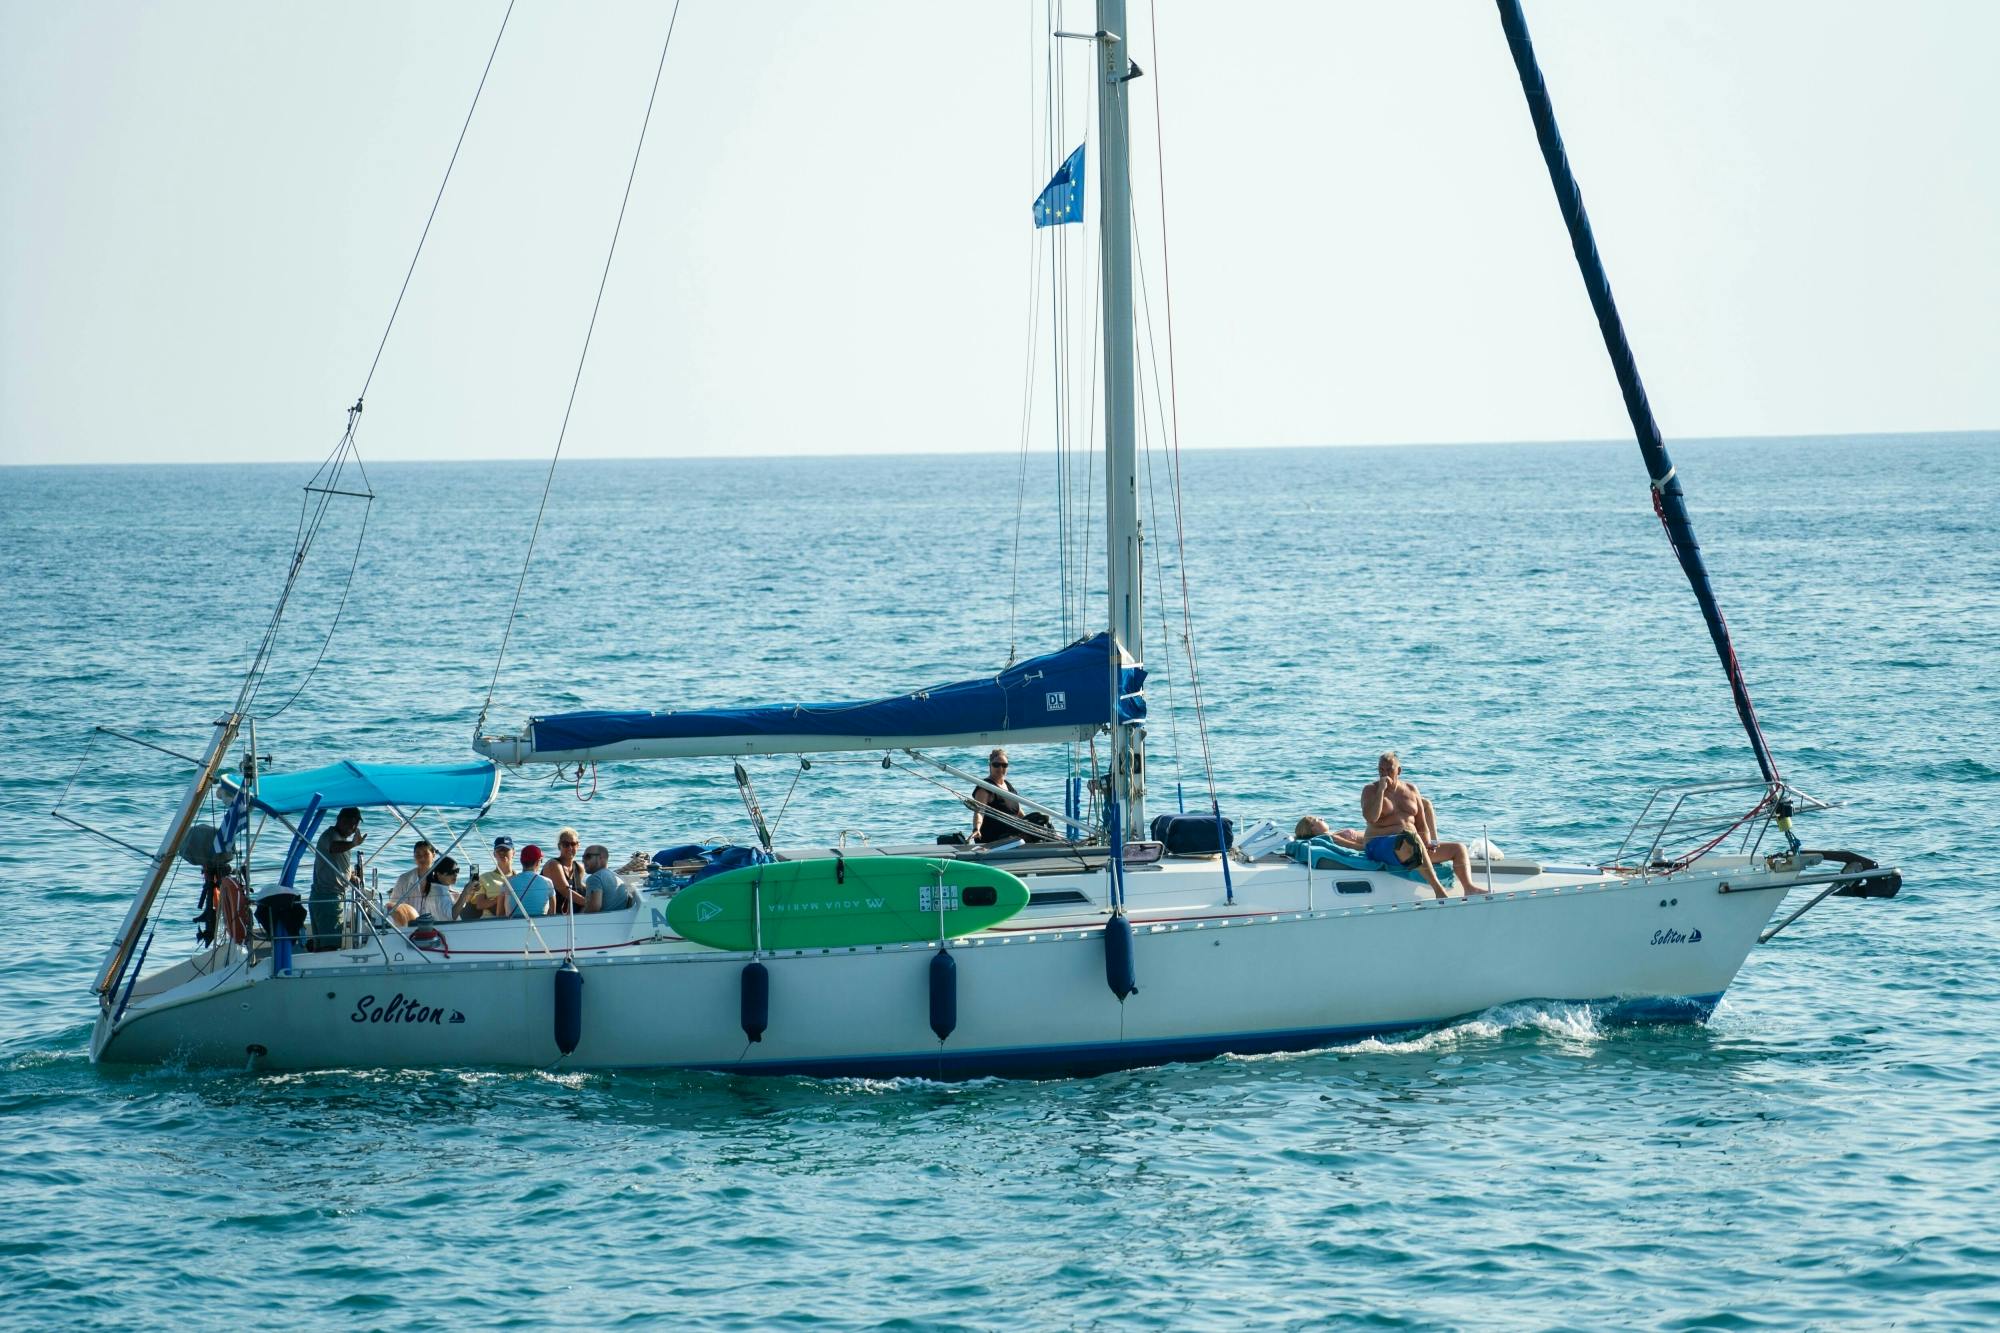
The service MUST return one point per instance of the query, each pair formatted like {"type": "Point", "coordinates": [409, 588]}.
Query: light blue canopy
{"type": "Point", "coordinates": [466, 786]}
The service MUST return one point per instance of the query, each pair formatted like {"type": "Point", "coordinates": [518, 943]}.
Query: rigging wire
{"type": "Point", "coordinates": [1054, 122]}
{"type": "Point", "coordinates": [425, 235]}
{"type": "Point", "coordinates": [1038, 256]}
{"type": "Point", "coordinates": [786, 804]}
{"type": "Point", "coordinates": [88, 746]}
{"type": "Point", "coordinates": [583, 357]}
{"type": "Point", "coordinates": [312, 514]}
{"type": "Point", "coordinates": [1160, 575]}
{"type": "Point", "coordinates": [345, 451]}
{"type": "Point", "coordinates": [1173, 405]}
{"type": "Point", "coordinates": [1091, 422]}
{"type": "Point", "coordinates": [339, 609]}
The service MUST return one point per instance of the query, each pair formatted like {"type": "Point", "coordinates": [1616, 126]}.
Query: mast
{"type": "Point", "coordinates": [1125, 563]}
{"type": "Point", "coordinates": [120, 955]}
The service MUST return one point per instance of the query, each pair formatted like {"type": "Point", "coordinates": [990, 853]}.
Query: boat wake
{"type": "Point", "coordinates": [1570, 1023]}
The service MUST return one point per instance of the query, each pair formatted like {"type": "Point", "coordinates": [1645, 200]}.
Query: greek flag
{"type": "Point", "coordinates": [1061, 200]}
{"type": "Point", "coordinates": [232, 820]}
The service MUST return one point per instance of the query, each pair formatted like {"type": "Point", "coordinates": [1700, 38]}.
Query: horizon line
{"type": "Point", "coordinates": [1012, 453]}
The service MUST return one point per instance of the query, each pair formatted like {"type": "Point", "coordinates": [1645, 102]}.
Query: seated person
{"type": "Point", "coordinates": [433, 897]}
{"type": "Point", "coordinates": [528, 893]}
{"type": "Point", "coordinates": [566, 873]}
{"type": "Point", "coordinates": [1312, 826]}
{"type": "Point", "coordinates": [411, 880]}
{"type": "Point", "coordinates": [1403, 849]}
{"type": "Point", "coordinates": [603, 891]}
{"type": "Point", "coordinates": [986, 830]}
{"type": "Point", "coordinates": [1394, 807]}
{"type": "Point", "coordinates": [486, 897]}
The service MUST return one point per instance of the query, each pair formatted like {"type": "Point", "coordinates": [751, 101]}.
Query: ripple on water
{"type": "Point", "coordinates": [1820, 1154]}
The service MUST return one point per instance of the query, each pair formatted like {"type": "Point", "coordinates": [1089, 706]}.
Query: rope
{"type": "Point", "coordinates": [603, 281]}
{"type": "Point", "coordinates": [1687, 859]}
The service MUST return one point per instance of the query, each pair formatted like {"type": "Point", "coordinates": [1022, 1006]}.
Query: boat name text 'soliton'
{"type": "Point", "coordinates": [399, 1010]}
{"type": "Point", "coordinates": [1672, 936]}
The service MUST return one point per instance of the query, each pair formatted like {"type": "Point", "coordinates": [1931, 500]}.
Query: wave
{"type": "Point", "coordinates": [1552, 1018]}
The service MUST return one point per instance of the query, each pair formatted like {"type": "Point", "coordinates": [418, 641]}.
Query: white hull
{"type": "Point", "coordinates": [1304, 966]}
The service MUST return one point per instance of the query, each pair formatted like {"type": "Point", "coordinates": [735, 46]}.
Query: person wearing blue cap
{"type": "Point", "coordinates": [488, 895]}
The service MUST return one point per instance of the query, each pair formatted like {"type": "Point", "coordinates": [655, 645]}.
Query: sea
{"type": "Point", "coordinates": [1823, 1153]}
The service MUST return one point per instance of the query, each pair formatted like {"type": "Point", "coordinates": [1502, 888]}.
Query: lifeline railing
{"type": "Point", "coordinates": [1679, 812]}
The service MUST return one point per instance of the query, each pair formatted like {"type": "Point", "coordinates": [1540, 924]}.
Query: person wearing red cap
{"type": "Point", "coordinates": [528, 893]}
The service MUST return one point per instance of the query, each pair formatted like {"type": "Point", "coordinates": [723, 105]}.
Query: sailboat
{"type": "Point", "coordinates": [1098, 939]}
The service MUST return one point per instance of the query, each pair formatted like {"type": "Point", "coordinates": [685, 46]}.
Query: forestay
{"type": "Point", "coordinates": [1060, 696]}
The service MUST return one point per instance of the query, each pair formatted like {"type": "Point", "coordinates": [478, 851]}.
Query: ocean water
{"type": "Point", "coordinates": [1824, 1153]}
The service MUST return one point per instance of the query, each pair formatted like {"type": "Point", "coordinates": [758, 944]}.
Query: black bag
{"type": "Point", "coordinates": [282, 910]}
{"type": "Point", "coordinates": [1191, 835]}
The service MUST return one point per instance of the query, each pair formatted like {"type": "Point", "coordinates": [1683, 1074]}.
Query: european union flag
{"type": "Point", "coordinates": [1061, 200]}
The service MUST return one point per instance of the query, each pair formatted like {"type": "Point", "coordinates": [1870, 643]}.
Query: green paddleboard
{"type": "Point", "coordinates": [837, 903]}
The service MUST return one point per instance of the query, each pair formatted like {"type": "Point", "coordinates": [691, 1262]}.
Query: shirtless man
{"type": "Point", "coordinates": [1392, 807]}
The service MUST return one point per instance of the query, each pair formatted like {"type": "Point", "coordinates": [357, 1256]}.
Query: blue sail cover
{"type": "Point", "coordinates": [466, 786]}
{"type": "Point", "coordinates": [1062, 696]}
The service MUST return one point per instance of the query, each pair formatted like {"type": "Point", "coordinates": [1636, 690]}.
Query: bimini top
{"type": "Point", "coordinates": [467, 786]}
{"type": "Point", "coordinates": [1061, 696]}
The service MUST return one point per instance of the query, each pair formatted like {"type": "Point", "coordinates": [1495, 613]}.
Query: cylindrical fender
{"type": "Point", "coordinates": [569, 1006]}
{"type": "Point", "coordinates": [756, 1000]}
{"type": "Point", "coordinates": [1120, 973]}
{"type": "Point", "coordinates": [944, 993]}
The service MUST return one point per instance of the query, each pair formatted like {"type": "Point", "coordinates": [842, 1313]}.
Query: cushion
{"type": "Point", "coordinates": [1325, 851]}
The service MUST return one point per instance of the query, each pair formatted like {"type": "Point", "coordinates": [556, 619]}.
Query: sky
{"type": "Point", "coordinates": [209, 207]}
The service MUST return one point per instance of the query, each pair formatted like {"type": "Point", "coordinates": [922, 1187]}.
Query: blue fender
{"type": "Point", "coordinates": [944, 993]}
{"type": "Point", "coordinates": [569, 1006]}
{"type": "Point", "coordinates": [1120, 973]}
{"type": "Point", "coordinates": [756, 1000]}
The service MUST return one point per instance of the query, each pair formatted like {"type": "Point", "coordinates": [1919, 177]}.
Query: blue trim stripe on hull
{"type": "Point", "coordinates": [1107, 1057]}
